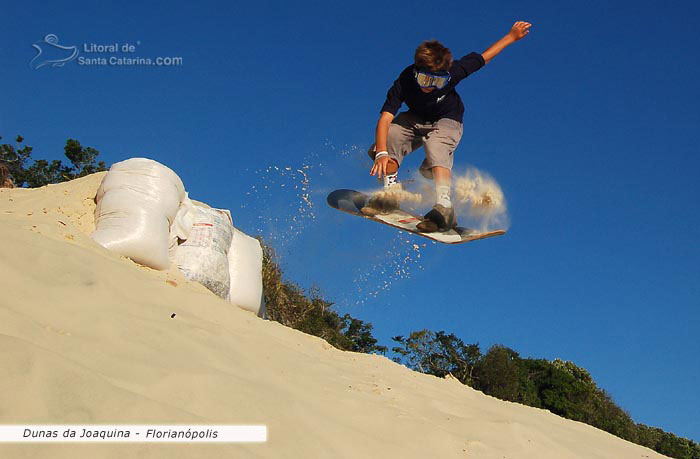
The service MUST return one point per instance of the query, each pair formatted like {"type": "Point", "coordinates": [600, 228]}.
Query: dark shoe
{"type": "Point", "coordinates": [440, 218]}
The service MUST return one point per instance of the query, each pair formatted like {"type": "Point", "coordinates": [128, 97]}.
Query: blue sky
{"type": "Point", "coordinates": [588, 124]}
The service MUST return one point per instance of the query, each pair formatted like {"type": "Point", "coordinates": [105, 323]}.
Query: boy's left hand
{"type": "Point", "coordinates": [519, 30]}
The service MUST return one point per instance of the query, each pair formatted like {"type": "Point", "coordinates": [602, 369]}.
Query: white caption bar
{"type": "Point", "coordinates": [132, 433]}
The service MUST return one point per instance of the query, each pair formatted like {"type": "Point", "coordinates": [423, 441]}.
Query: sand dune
{"type": "Point", "coordinates": [87, 337]}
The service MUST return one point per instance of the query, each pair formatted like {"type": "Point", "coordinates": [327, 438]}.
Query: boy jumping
{"type": "Point", "coordinates": [433, 120]}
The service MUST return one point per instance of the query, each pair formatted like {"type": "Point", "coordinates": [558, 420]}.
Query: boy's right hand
{"type": "Point", "coordinates": [380, 166]}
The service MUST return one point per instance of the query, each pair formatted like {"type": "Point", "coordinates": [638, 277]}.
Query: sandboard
{"type": "Point", "coordinates": [352, 201]}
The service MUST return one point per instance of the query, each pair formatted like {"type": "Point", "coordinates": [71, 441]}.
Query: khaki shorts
{"type": "Point", "coordinates": [408, 132]}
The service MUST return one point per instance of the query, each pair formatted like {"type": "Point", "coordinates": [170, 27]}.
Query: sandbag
{"type": "Point", "coordinates": [245, 270]}
{"type": "Point", "coordinates": [181, 226]}
{"type": "Point", "coordinates": [136, 203]}
{"type": "Point", "coordinates": [203, 256]}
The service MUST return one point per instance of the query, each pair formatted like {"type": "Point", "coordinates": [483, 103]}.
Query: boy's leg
{"type": "Point", "coordinates": [440, 145]}
{"type": "Point", "coordinates": [403, 138]}
{"type": "Point", "coordinates": [443, 180]}
{"type": "Point", "coordinates": [401, 141]}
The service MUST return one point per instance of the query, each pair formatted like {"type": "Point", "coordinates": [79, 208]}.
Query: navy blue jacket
{"type": "Point", "coordinates": [439, 103]}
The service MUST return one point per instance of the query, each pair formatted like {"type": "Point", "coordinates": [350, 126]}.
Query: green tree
{"type": "Point", "coordinates": [667, 443]}
{"type": "Point", "coordinates": [498, 373]}
{"type": "Point", "coordinates": [82, 158]}
{"type": "Point", "coordinates": [43, 172]}
{"type": "Point", "coordinates": [15, 158]}
{"type": "Point", "coordinates": [360, 335]}
{"type": "Point", "coordinates": [417, 352]}
{"type": "Point", "coordinates": [438, 354]}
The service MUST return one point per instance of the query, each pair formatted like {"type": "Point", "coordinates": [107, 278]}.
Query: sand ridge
{"type": "Point", "coordinates": [86, 336]}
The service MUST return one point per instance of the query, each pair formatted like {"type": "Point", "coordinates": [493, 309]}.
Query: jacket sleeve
{"type": "Point", "coordinates": [394, 98]}
{"type": "Point", "coordinates": [466, 66]}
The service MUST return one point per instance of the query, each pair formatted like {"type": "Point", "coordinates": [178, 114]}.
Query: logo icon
{"type": "Point", "coordinates": [49, 52]}
{"type": "Point", "coordinates": [439, 99]}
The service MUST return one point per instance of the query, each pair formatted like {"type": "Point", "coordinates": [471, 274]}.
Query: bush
{"type": "Point", "coordinates": [289, 305]}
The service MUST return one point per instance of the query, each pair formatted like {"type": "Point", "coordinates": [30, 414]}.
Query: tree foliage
{"type": "Point", "coordinates": [42, 172]}
{"type": "Point", "coordinates": [559, 386]}
{"type": "Point", "coordinates": [438, 354]}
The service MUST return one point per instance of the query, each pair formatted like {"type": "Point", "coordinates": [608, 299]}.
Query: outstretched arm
{"type": "Point", "coordinates": [518, 31]}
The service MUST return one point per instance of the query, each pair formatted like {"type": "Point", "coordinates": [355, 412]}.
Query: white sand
{"type": "Point", "coordinates": [86, 337]}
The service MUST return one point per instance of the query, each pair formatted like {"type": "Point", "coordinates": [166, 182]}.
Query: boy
{"type": "Point", "coordinates": [433, 120]}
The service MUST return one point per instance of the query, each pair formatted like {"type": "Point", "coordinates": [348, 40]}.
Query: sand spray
{"type": "Point", "coordinates": [288, 198]}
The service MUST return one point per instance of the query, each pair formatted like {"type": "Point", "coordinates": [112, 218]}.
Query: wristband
{"type": "Point", "coordinates": [380, 154]}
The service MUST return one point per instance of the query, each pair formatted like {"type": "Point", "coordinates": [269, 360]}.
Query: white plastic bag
{"type": "Point", "coordinates": [136, 202]}
{"type": "Point", "coordinates": [181, 225]}
{"type": "Point", "coordinates": [245, 268]}
{"type": "Point", "coordinates": [203, 256]}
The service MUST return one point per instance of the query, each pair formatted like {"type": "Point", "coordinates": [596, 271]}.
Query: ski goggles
{"type": "Point", "coordinates": [432, 79]}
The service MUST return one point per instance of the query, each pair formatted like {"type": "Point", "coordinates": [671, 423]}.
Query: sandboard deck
{"type": "Point", "coordinates": [352, 201]}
